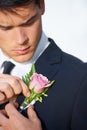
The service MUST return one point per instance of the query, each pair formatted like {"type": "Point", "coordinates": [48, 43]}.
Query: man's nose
{"type": "Point", "coordinates": [20, 36]}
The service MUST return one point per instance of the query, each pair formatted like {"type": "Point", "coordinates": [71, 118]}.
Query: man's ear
{"type": "Point", "coordinates": [42, 6]}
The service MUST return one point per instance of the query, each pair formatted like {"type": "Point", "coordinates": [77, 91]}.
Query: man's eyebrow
{"type": "Point", "coordinates": [29, 20]}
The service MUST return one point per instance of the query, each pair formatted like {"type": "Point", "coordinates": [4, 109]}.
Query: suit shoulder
{"type": "Point", "coordinates": [73, 63]}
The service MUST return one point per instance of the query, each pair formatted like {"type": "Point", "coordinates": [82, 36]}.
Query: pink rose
{"type": "Point", "coordinates": [38, 82]}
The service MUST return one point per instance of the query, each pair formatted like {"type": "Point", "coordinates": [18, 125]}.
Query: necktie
{"type": "Point", "coordinates": [8, 66]}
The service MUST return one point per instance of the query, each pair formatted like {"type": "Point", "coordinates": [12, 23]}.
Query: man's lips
{"type": "Point", "coordinates": [22, 51]}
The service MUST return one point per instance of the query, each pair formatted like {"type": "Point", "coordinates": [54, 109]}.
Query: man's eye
{"type": "Point", "coordinates": [28, 23]}
{"type": "Point", "coordinates": [5, 28]}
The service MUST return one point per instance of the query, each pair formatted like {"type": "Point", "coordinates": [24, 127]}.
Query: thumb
{"type": "Point", "coordinates": [11, 109]}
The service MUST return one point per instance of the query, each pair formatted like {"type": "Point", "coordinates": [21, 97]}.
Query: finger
{"type": "Point", "coordinates": [13, 82]}
{"type": "Point", "coordinates": [6, 89]}
{"type": "Point", "coordinates": [25, 89]}
{"type": "Point", "coordinates": [32, 114]}
{"type": "Point", "coordinates": [2, 96]}
{"type": "Point", "coordinates": [15, 104]}
{"type": "Point", "coordinates": [12, 111]}
{"type": "Point", "coordinates": [15, 85]}
{"type": "Point", "coordinates": [4, 113]}
{"type": "Point", "coordinates": [1, 128]}
{"type": "Point", "coordinates": [3, 118]}
{"type": "Point", "coordinates": [20, 87]}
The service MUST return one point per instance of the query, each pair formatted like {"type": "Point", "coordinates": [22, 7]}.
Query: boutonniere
{"type": "Point", "coordinates": [38, 86]}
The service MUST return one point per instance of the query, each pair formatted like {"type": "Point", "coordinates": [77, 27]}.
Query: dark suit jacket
{"type": "Point", "coordinates": [65, 108]}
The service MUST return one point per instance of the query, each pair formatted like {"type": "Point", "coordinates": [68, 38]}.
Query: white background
{"type": "Point", "coordinates": [66, 22]}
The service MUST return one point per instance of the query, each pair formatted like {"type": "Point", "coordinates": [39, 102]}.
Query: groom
{"type": "Point", "coordinates": [23, 42]}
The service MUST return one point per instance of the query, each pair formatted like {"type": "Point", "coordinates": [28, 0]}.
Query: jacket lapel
{"type": "Point", "coordinates": [48, 62]}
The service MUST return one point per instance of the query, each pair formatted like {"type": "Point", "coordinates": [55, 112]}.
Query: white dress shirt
{"type": "Point", "coordinates": [21, 69]}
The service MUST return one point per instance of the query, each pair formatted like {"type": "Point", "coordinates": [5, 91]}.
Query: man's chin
{"type": "Point", "coordinates": [22, 59]}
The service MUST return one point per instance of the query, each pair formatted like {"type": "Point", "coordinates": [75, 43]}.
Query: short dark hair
{"type": "Point", "coordinates": [5, 4]}
{"type": "Point", "coordinates": [9, 5]}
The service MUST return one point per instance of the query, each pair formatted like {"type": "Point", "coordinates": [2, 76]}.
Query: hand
{"type": "Point", "coordinates": [11, 119]}
{"type": "Point", "coordinates": [10, 87]}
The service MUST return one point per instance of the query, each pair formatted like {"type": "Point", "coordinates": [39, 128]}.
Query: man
{"type": "Point", "coordinates": [23, 42]}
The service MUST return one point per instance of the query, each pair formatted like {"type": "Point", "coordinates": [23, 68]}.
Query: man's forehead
{"type": "Point", "coordinates": [7, 20]}
{"type": "Point", "coordinates": [20, 16]}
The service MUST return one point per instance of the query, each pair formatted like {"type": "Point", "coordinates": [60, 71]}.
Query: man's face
{"type": "Point", "coordinates": [20, 34]}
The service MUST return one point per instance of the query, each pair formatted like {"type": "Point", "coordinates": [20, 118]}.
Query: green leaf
{"type": "Point", "coordinates": [32, 71]}
{"type": "Point", "coordinates": [52, 82]}
{"type": "Point", "coordinates": [26, 78]}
